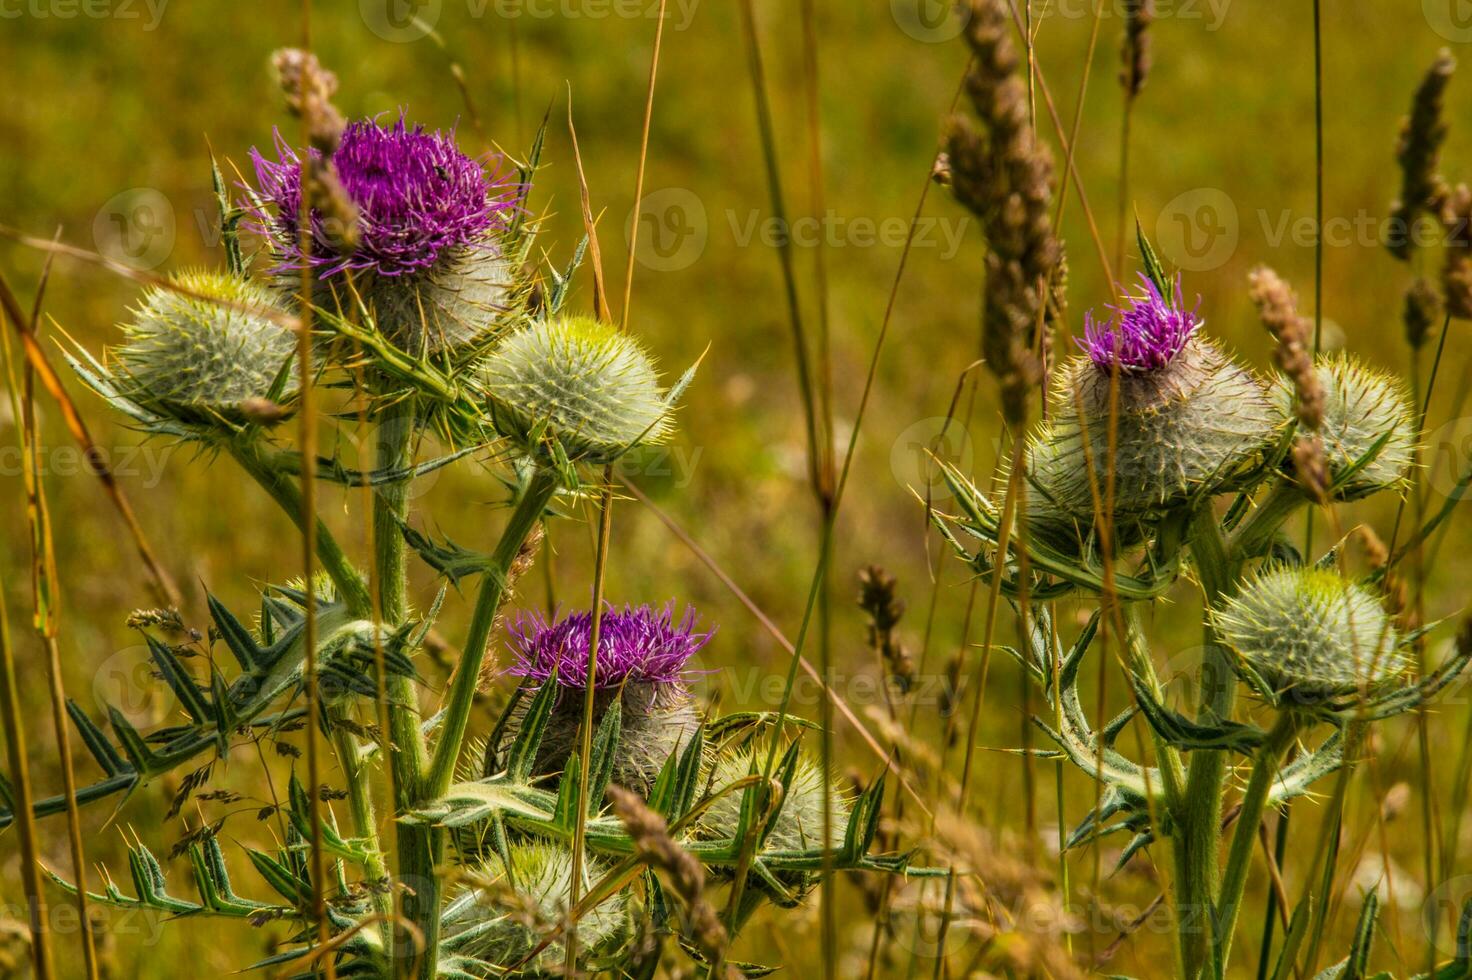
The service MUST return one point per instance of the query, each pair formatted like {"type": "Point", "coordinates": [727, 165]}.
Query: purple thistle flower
{"type": "Point", "coordinates": [635, 645]}
{"type": "Point", "coordinates": [418, 197]}
{"type": "Point", "coordinates": [1151, 331]}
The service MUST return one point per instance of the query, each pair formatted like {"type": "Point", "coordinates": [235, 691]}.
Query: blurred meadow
{"type": "Point", "coordinates": [108, 115]}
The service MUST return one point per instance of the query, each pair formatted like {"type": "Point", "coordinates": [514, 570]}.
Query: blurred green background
{"type": "Point", "coordinates": [108, 111]}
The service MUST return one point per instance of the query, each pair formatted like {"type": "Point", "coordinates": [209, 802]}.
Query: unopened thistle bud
{"type": "Point", "coordinates": [1310, 634]}
{"type": "Point", "coordinates": [424, 248]}
{"type": "Point", "coordinates": [1181, 418]}
{"type": "Point", "coordinates": [1418, 151]}
{"type": "Point", "coordinates": [643, 663]}
{"type": "Point", "coordinates": [201, 352]}
{"type": "Point", "coordinates": [584, 384]}
{"type": "Point", "coordinates": [1367, 431]}
{"type": "Point", "coordinates": [519, 899]}
{"type": "Point", "coordinates": [799, 827]}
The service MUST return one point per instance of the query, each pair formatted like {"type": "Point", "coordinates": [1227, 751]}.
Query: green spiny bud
{"type": "Point", "coordinates": [1362, 406]}
{"type": "Point", "coordinates": [799, 827]}
{"type": "Point", "coordinates": [1311, 633]}
{"type": "Point", "coordinates": [522, 900]}
{"type": "Point", "coordinates": [581, 384]}
{"type": "Point", "coordinates": [197, 354]}
{"type": "Point", "coordinates": [1190, 428]}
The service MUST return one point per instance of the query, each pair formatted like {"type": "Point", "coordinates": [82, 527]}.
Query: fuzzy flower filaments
{"type": "Point", "coordinates": [643, 663]}
{"type": "Point", "coordinates": [425, 253]}
{"type": "Point", "coordinates": [1151, 331]}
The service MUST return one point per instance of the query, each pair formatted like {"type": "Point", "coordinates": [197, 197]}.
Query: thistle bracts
{"type": "Point", "coordinates": [513, 902]}
{"type": "Point", "coordinates": [1001, 172]}
{"type": "Point", "coordinates": [573, 389]}
{"type": "Point", "coordinates": [798, 825]}
{"type": "Point", "coordinates": [1304, 635]}
{"type": "Point", "coordinates": [204, 347]}
{"type": "Point", "coordinates": [1368, 430]}
{"type": "Point", "coordinates": [1181, 432]}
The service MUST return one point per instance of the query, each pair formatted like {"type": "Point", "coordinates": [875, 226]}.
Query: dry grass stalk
{"type": "Point", "coordinates": [1419, 152]}
{"type": "Point", "coordinates": [1456, 269]}
{"type": "Point", "coordinates": [1422, 312]}
{"type": "Point", "coordinates": [878, 598]}
{"type": "Point", "coordinates": [308, 89]}
{"type": "Point", "coordinates": [1277, 306]}
{"type": "Point", "coordinates": [656, 848]}
{"type": "Point", "coordinates": [526, 557]}
{"type": "Point", "coordinates": [1135, 49]}
{"type": "Point", "coordinates": [1001, 172]}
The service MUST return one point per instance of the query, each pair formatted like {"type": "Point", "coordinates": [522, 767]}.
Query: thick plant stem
{"type": "Point", "coordinates": [416, 846]}
{"type": "Point", "coordinates": [1234, 880]}
{"type": "Point", "coordinates": [523, 522]}
{"type": "Point", "coordinates": [1198, 838]}
{"type": "Point", "coordinates": [1273, 510]}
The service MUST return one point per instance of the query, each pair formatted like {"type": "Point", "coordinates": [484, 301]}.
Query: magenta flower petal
{"type": "Point", "coordinates": [635, 645]}
{"type": "Point", "coordinates": [418, 197]}
{"type": "Point", "coordinates": [1146, 335]}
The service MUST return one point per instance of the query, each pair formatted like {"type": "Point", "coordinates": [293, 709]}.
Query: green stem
{"type": "Point", "coordinates": [1256, 534]}
{"type": "Point", "coordinates": [350, 586]}
{"type": "Point", "coordinates": [418, 848]}
{"type": "Point", "coordinates": [1137, 653]}
{"type": "Point", "coordinates": [354, 593]}
{"type": "Point", "coordinates": [1254, 803]}
{"type": "Point", "coordinates": [1197, 842]}
{"type": "Point", "coordinates": [524, 519]}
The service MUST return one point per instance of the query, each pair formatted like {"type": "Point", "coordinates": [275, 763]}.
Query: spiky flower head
{"type": "Point", "coordinates": [425, 252]}
{"type": "Point", "coordinates": [1310, 634]}
{"type": "Point", "coordinates": [1368, 429]}
{"type": "Point", "coordinates": [643, 664]}
{"type": "Point", "coordinates": [1145, 334]}
{"type": "Point", "coordinates": [575, 383]}
{"type": "Point", "coordinates": [199, 350]}
{"type": "Point", "coordinates": [637, 644]}
{"type": "Point", "coordinates": [1191, 424]}
{"type": "Point", "coordinates": [799, 825]}
{"type": "Point", "coordinates": [525, 897]}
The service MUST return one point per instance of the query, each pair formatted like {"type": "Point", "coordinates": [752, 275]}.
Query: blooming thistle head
{"type": "Point", "coordinates": [424, 252]}
{"type": "Point", "coordinates": [419, 196]}
{"type": "Point", "coordinates": [197, 352]}
{"type": "Point", "coordinates": [1310, 634]}
{"type": "Point", "coordinates": [584, 385]}
{"type": "Point", "coordinates": [643, 665]}
{"type": "Point", "coordinates": [1151, 331]}
{"type": "Point", "coordinates": [636, 645]}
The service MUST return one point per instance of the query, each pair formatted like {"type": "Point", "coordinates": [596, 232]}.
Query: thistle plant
{"type": "Point", "coordinates": [402, 262]}
{"type": "Point", "coordinates": [1159, 433]}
